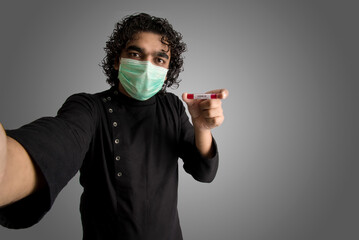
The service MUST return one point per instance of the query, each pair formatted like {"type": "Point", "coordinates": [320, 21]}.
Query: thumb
{"type": "Point", "coordinates": [186, 100]}
{"type": "Point", "coordinates": [2, 129]}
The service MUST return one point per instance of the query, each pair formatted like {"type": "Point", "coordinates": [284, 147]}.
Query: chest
{"type": "Point", "coordinates": [142, 132]}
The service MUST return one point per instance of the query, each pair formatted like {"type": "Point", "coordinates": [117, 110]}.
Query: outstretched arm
{"type": "Point", "coordinates": [19, 176]}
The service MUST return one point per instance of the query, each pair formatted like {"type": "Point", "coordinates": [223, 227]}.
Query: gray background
{"type": "Point", "coordinates": [289, 144]}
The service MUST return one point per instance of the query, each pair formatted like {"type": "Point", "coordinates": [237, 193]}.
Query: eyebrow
{"type": "Point", "coordinates": [141, 50]}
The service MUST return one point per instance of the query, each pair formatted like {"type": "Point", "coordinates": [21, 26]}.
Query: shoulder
{"type": "Point", "coordinates": [89, 98]}
{"type": "Point", "coordinates": [173, 103]}
{"type": "Point", "coordinates": [86, 101]}
{"type": "Point", "coordinates": [171, 98]}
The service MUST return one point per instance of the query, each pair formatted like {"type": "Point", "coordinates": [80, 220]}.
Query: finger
{"type": "Point", "coordinates": [2, 141]}
{"type": "Point", "coordinates": [210, 104]}
{"type": "Point", "coordinates": [185, 98]}
{"type": "Point", "coordinates": [2, 129]}
{"type": "Point", "coordinates": [212, 113]}
{"type": "Point", "coordinates": [221, 93]}
{"type": "Point", "coordinates": [214, 122]}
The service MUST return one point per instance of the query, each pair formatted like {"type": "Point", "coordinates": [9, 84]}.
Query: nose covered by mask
{"type": "Point", "coordinates": [141, 79]}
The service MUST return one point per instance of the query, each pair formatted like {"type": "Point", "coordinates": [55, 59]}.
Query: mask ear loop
{"type": "Point", "coordinates": [165, 83]}
{"type": "Point", "coordinates": [164, 86]}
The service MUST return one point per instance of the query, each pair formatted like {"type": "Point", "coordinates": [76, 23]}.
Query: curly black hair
{"type": "Point", "coordinates": [141, 22]}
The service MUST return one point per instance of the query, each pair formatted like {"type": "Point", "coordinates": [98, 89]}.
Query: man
{"type": "Point", "coordinates": [125, 142]}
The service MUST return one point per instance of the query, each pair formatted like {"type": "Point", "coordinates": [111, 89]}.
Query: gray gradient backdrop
{"type": "Point", "coordinates": [289, 144]}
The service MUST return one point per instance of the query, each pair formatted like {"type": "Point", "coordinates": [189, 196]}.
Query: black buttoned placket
{"type": "Point", "coordinates": [132, 147]}
{"type": "Point", "coordinates": [114, 125]}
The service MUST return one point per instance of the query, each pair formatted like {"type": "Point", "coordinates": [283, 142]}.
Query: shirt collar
{"type": "Point", "coordinates": [120, 97]}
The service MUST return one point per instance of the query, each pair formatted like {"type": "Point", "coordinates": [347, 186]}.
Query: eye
{"type": "Point", "coordinates": [134, 54]}
{"type": "Point", "coordinates": [161, 61]}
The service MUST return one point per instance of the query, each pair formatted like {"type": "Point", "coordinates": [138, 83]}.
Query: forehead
{"type": "Point", "coordinates": [149, 41]}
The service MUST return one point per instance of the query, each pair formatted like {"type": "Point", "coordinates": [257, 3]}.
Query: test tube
{"type": "Point", "coordinates": [202, 96]}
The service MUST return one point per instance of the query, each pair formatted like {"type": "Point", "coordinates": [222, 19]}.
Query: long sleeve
{"type": "Point", "coordinates": [202, 169]}
{"type": "Point", "coordinates": [57, 145]}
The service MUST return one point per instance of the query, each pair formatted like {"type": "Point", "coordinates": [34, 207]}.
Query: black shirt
{"type": "Point", "coordinates": [127, 152]}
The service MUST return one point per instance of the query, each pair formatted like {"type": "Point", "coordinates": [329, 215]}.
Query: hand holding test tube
{"type": "Point", "coordinates": [207, 113]}
{"type": "Point", "coordinates": [206, 108]}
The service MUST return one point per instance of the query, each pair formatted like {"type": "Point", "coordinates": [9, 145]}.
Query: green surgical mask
{"type": "Point", "coordinates": [141, 79]}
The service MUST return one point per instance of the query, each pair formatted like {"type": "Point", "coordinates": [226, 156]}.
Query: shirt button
{"type": "Point", "coordinates": [110, 110]}
{"type": "Point", "coordinates": [119, 174]}
{"type": "Point", "coordinates": [104, 100]}
{"type": "Point", "coordinates": [117, 141]}
{"type": "Point", "coordinates": [118, 158]}
{"type": "Point", "coordinates": [109, 98]}
{"type": "Point", "coordinates": [115, 124]}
